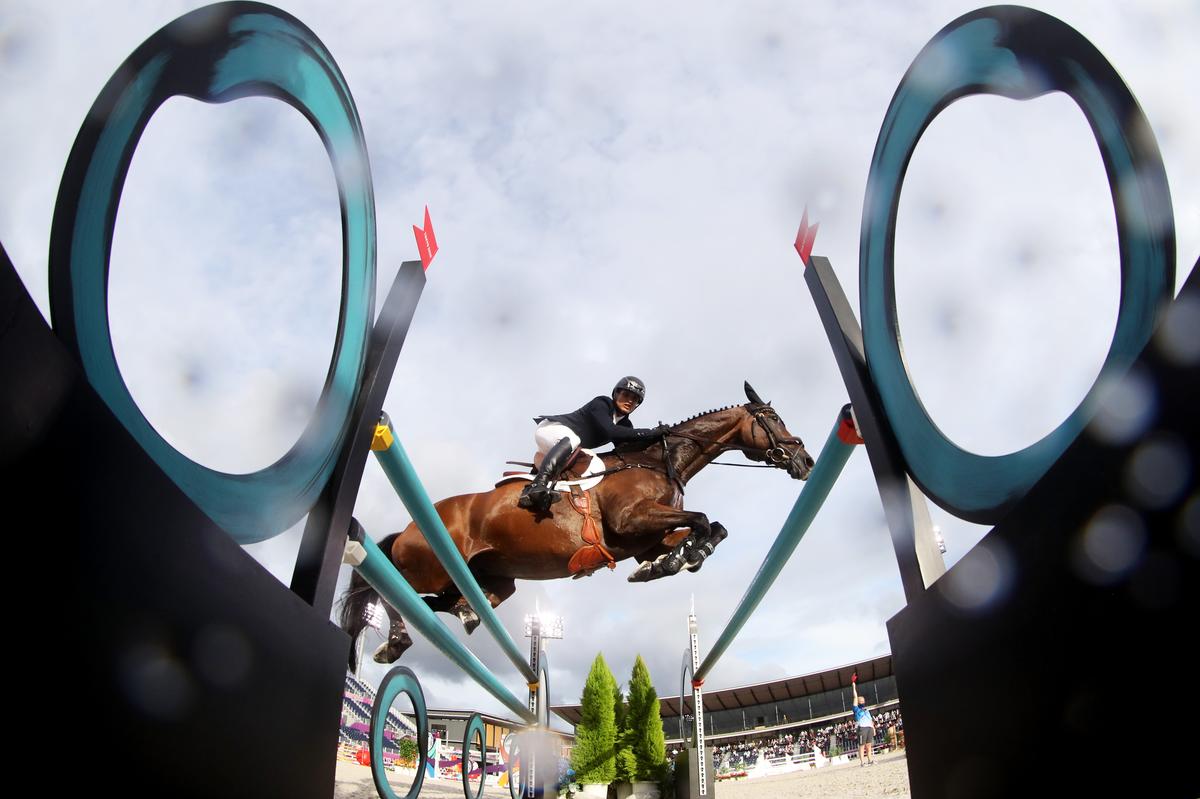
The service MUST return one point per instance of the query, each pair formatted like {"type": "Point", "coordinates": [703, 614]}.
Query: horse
{"type": "Point", "coordinates": [635, 511]}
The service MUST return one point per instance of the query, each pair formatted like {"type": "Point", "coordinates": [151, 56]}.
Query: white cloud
{"type": "Point", "coordinates": [613, 193]}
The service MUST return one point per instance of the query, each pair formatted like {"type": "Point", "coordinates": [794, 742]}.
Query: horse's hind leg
{"type": "Point", "coordinates": [397, 641]}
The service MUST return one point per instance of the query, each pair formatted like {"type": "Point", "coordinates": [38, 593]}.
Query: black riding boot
{"type": "Point", "coordinates": [538, 495]}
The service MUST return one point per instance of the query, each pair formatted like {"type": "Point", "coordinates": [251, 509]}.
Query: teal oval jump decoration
{"type": "Point", "coordinates": [474, 729]}
{"type": "Point", "coordinates": [1017, 53]}
{"type": "Point", "coordinates": [400, 680]}
{"type": "Point", "coordinates": [216, 54]}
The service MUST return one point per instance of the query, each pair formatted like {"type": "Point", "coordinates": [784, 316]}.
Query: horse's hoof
{"type": "Point", "coordinates": [641, 574]}
{"type": "Point", "coordinates": [384, 655]}
{"type": "Point", "coordinates": [698, 553]}
{"type": "Point", "coordinates": [470, 621]}
{"type": "Point", "coordinates": [718, 533]}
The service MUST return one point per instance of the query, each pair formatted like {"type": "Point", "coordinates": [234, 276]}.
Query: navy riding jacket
{"type": "Point", "coordinates": [594, 424]}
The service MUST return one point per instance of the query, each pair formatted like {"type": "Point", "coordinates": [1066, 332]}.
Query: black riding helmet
{"type": "Point", "coordinates": [632, 385]}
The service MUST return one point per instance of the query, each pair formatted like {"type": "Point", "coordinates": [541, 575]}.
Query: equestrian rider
{"type": "Point", "coordinates": [601, 421]}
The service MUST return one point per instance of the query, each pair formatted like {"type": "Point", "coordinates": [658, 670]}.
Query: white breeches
{"type": "Point", "coordinates": [548, 434]}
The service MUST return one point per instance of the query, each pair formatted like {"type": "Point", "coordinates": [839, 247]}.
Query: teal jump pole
{"type": "Point", "coordinates": [830, 463]}
{"type": "Point", "coordinates": [403, 476]}
{"type": "Point", "coordinates": [378, 570]}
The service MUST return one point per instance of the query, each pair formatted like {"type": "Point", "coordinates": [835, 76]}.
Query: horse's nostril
{"type": "Point", "coordinates": [809, 462]}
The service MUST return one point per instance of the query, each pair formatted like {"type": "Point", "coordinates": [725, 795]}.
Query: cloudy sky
{"type": "Point", "coordinates": [615, 191]}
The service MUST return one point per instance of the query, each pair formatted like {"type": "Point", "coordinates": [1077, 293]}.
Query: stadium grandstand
{"type": "Point", "coordinates": [354, 733]}
{"type": "Point", "coordinates": [785, 724]}
{"type": "Point", "coordinates": [449, 726]}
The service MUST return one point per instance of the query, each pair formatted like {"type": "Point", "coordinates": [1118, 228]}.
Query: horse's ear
{"type": "Point", "coordinates": [752, 395]}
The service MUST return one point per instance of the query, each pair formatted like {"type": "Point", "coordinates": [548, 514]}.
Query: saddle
{"type": "Point", "coordinates": [581, 473]}
{"type": "Point", "coordinates": [583, 470]}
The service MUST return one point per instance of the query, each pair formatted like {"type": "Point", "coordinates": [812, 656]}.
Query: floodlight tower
{"type": "Point", "coordinates": [375, 616]}
{"type": "Point", "coordinates": [539, 625]}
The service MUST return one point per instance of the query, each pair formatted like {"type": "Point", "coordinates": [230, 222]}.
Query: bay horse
{"type": "Point", "coordinates": [637, 510]}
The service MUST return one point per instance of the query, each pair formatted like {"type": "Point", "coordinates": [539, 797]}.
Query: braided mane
{"type": "Point", "coordinates": [706, 413]}
{"type": "Point", "coordinates": [638, 446]}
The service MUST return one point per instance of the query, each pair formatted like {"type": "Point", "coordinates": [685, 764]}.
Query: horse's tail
{"type": "Point", "coordinates": [357, 600]}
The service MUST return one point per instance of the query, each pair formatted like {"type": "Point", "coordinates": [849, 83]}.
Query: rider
{"type": "Point", "coordinates": [603, 420]}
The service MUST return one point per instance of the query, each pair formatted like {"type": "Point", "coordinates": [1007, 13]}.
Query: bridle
{"type": "Point", "coordinates": [776, 454]}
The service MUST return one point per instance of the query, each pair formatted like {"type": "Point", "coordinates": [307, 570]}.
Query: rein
{"type": "Point", "coordinates": [775, 453]}
{"type": "Point", "coordinates": [777, 456]}
{"type": "Point", "coordinates": [670, 469]}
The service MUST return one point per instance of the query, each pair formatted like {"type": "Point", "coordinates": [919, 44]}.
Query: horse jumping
{"type": "Point", "coordinates": [635, 511]}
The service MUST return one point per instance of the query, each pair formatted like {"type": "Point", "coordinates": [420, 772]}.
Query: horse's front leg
{"type": "Point", "coordinates": [495, 590]}
{"type": "Point", "coordinates": [666, 545]}
{"type": "Point", "coordinates": [700, 548]}
{"type": "Point", "coordinates": [648, 517]}
{"type": "Point", "coordinates": [689, 552]}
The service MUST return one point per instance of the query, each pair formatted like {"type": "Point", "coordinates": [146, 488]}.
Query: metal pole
{"type": "Point", "coordinates": [377, 569]}
{"type": "Point", "coordinates": [829, 466]}
{"type": "Point", "coordinates": [685, 676]}
{"type": "Point", "coordinates": [403, 477]}
{"type": "Point", "coordinates": [535, 646]}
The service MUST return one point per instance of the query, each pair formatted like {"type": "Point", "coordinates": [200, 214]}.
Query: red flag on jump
{"type": "Point", "coordinates": [426, 243]}
{"type": "Point", "coordinates": [805, 237]}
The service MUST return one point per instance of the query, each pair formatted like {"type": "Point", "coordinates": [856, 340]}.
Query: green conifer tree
{"type": "Point", "coordinates": [619, 707]}
{"type": "Point", "coordinates": [626, 763]}
{"type": "Point", "coordinates": [644, 722]}
{"type": "Point", "coordinates": [593, 757]}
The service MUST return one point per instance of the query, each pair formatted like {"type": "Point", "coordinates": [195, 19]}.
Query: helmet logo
{"type": "Point", "coordinates": [632, 385]}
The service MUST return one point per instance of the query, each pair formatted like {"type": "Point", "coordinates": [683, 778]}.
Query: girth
{"type": "Point", "coordinates": [593, 554]}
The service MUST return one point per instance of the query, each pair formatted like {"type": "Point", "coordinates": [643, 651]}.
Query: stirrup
{"type": "Point", "coordinates": [540, 494]}
{"type": "Point", "coordinates": [538, 498]}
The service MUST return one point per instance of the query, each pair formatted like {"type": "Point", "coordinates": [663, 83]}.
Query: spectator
{"type": "Point", "coordinates": [866, 726]}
